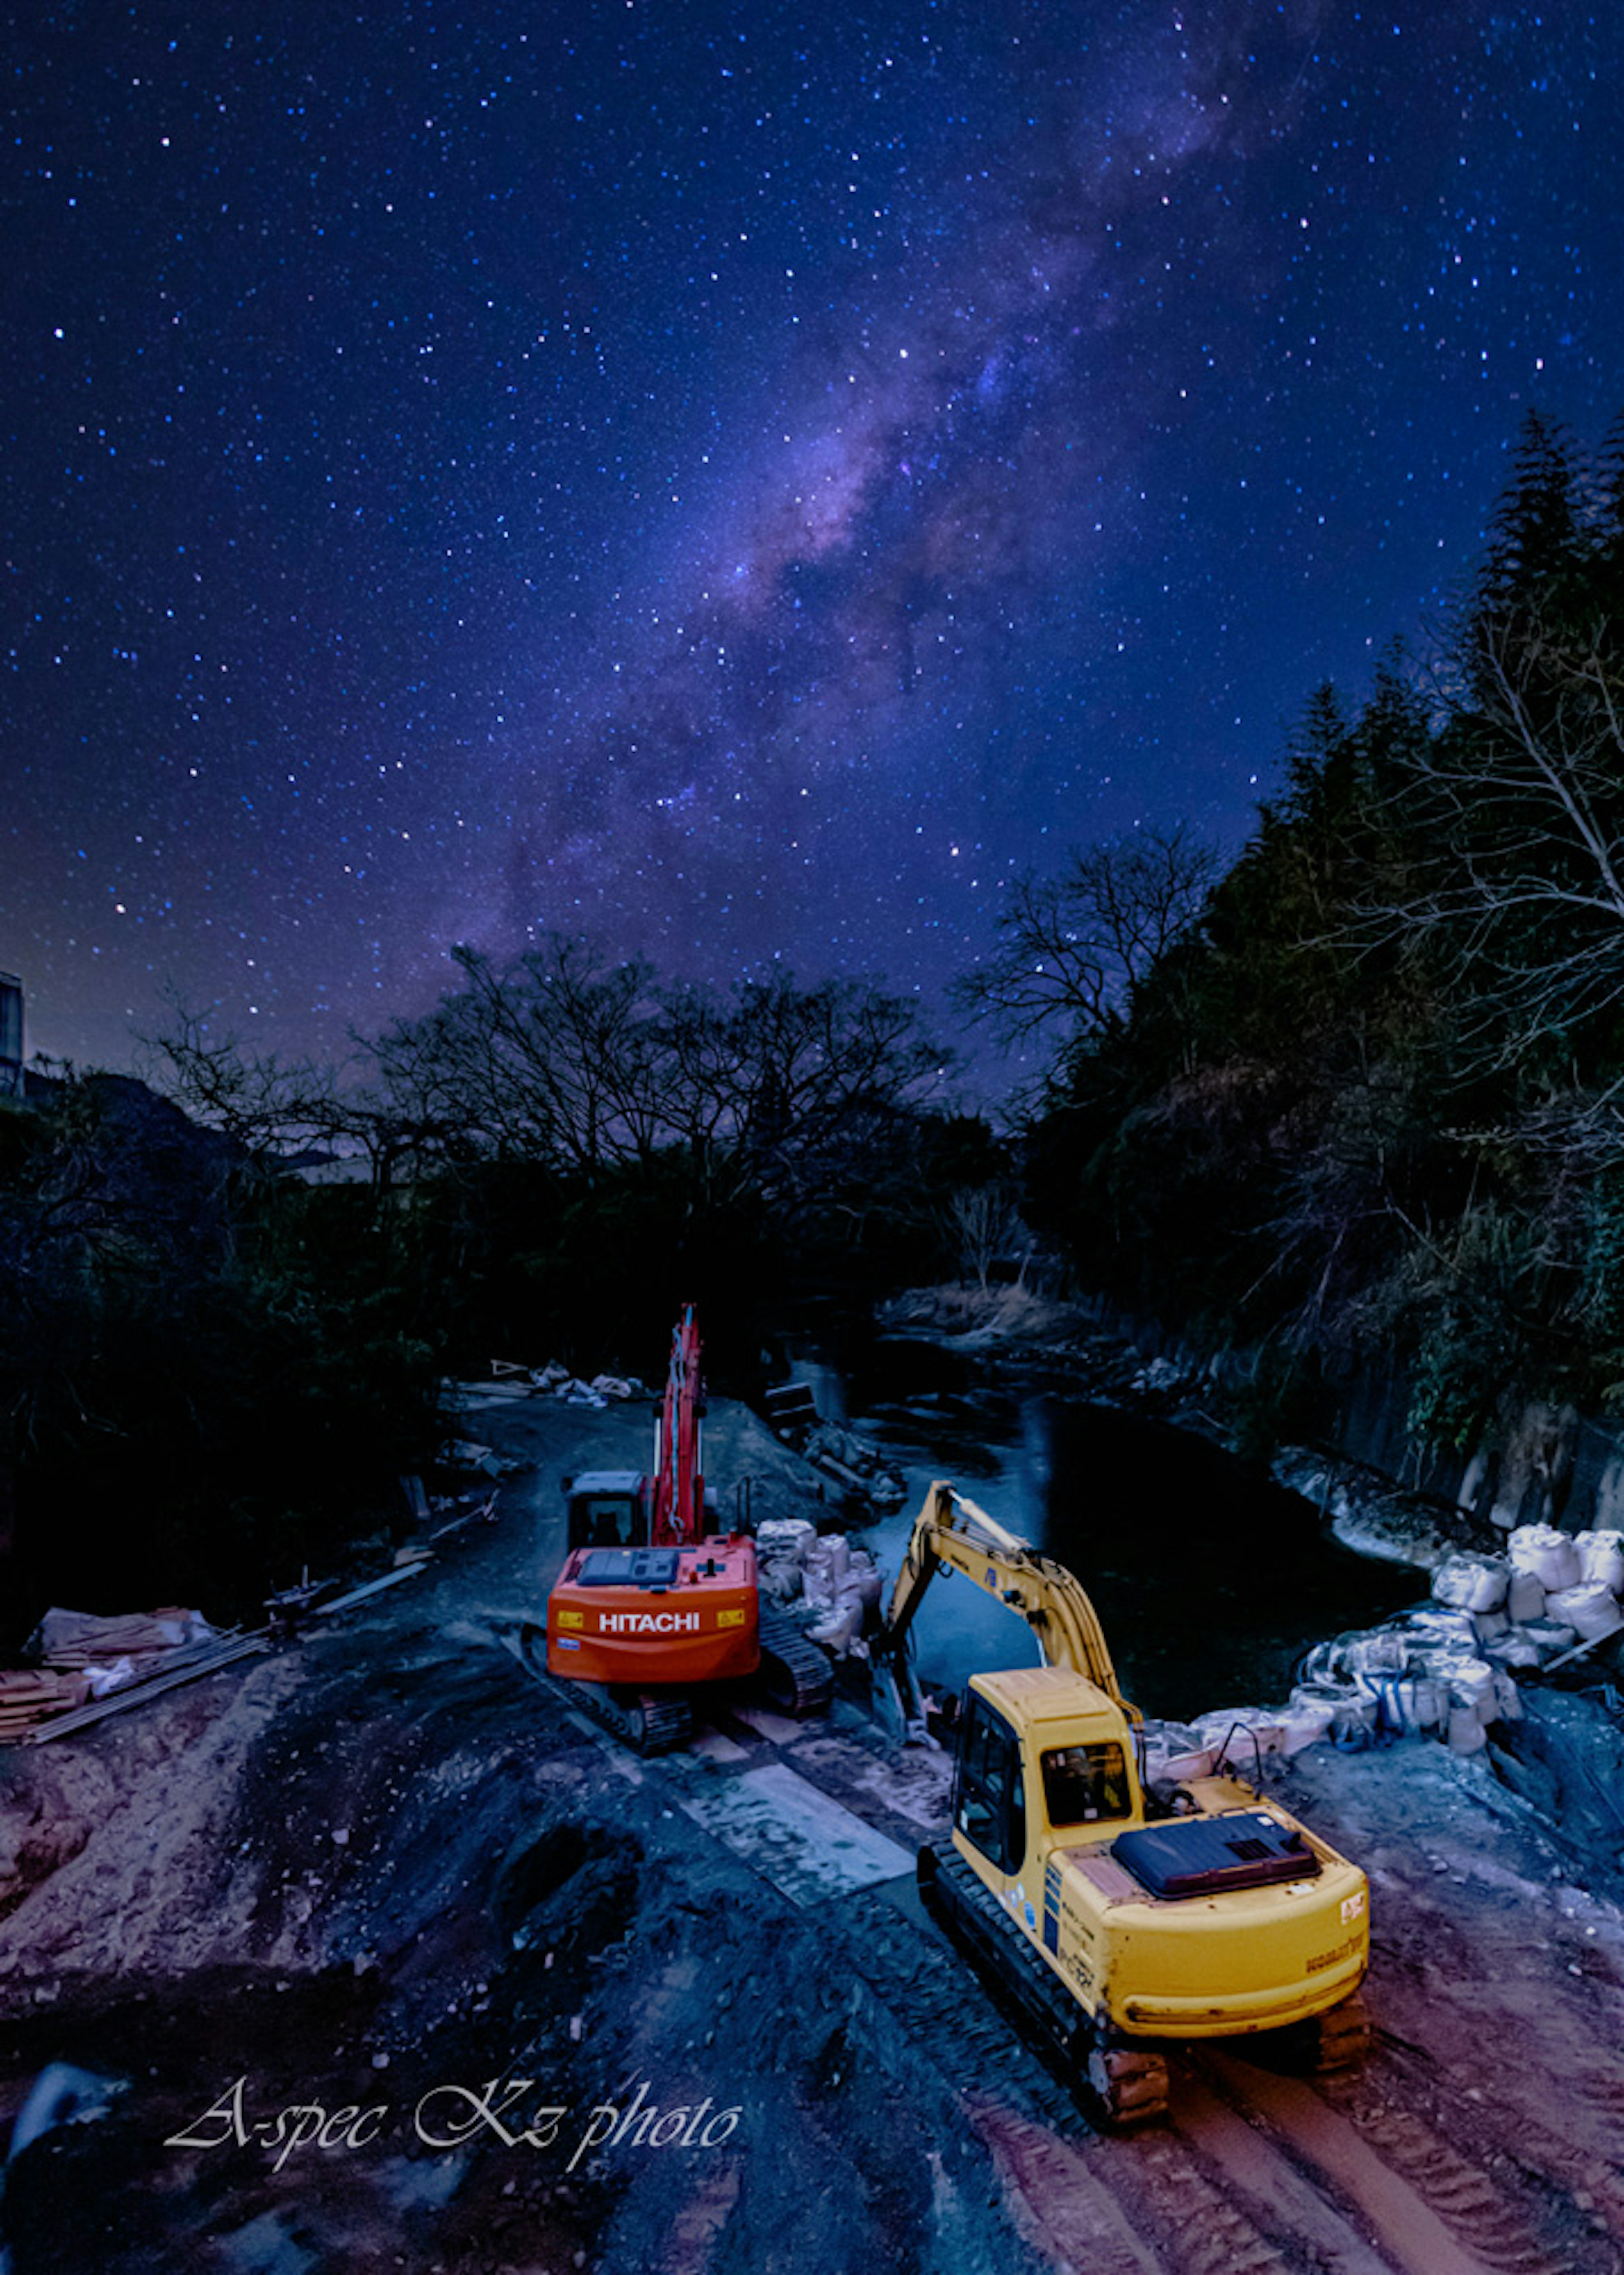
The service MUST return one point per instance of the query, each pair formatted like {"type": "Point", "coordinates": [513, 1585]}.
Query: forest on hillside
{"type": "Point", "coordinates": [1362, 1093]}
{"type": "Point", "coordinates": [1360, 1090]}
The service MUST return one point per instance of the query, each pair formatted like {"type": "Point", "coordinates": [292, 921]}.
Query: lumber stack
{"type": "Point", "coordinates": [72, 1641]}
{"type": "Point", "coordinates": [29, 1699]}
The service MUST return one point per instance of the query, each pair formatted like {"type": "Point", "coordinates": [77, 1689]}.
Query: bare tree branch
{"type": "Point", "coordinates": [1518, 804]}
{"type": "Point", "coordinates": [1073, 950]}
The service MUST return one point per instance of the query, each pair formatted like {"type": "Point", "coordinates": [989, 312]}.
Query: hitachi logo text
{"type": "Point", "coordinates": [648, 1623]}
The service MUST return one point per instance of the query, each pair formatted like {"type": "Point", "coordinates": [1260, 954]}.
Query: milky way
{"type": "Point", "coordinates": [735, 482]}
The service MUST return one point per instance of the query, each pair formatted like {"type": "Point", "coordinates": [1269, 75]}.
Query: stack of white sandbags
{"type": "Point", "coordinates": [829, 1585]}
{"type": "Point", "coordinates": [1444, 1668]}
{"type": "Point", "coordinates": [843, 1583]}
{"type": "Point", "coordinates": [1425, 1673]}
{"type": "Point", "coordinates": [1551, 1592]}
{"type": "Point", "coordinates": [781, 1546]}
{"type": "Point", "coordinates": [1589, 1603]}
{"type": "Point", "coordinates": [1580, 1580]}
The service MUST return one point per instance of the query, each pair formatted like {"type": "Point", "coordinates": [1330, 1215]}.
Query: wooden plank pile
{"type": "Point", "coordinates": [71, 1644]}
{"type": "Point", "coordinates": [70, 1641]}
{"type": "Point", "coordinates": [29, 1699]}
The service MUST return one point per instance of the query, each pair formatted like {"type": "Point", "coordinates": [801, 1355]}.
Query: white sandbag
{"type": "Point", "coordinates": [1487, 1625]}
{"type": "Point", "coordinates": [1470, 1682]}
{"type": "Point", "coordinates": [1431, 1626]}
{"type": "Point", "coordinates": [1178, 1769]}
{"type": "Point", "coordinates": [1516, 1649]}
{"type": "Point", "coordinates": [1465, 1733]}
{"type": "Point", "coordinates": [1601, 1557]}
{"type": "Point", "coordinates": [1383, 1651]}
{"type": "Point", "coordinates": [1423, 1701]}
{"type": "Point", "coordinates": [1354, 1723]}
{"type": "Point", "coordinates": [864, 1576]}
{"type": "Point", "coordinates": [839, 1630]}
{"type": "Point", "coordinates": [1550, 1638]}
{"type": "Point", "coordinates": [779, 1577]}
{"type": "Point", "coordinates": [1174, 1754]}
{"type": "Point", "coordinates": [1325, 1668]}
{"type": "Point", "coordinates": [1241, 1736]}
{"type": "Point", "coordinates": [1471, 1583]}
{"type": "Point", "coordinates": [1306, 1724]}
{"type": "Point", "coordinates": [785, 1535]}
{"type": "Point", "coordinates": [1591, 1610]}
{"type": "Point", "coordinates": [1552, 1556]}
{"type": "Point", "coordinates": [1525, 1598]}
{"type": "Point", "coordinates": [823, 1571]}
{"type": "Point", "coordinates": [1508, 1699]}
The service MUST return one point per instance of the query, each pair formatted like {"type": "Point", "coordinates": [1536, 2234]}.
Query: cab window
{"type": "Point", "coordinates": [989, 1799]}
{"type": "Point", "coordinates": [1085, 1784]}
{"type": "Point", "coordinates": [603, 1521]}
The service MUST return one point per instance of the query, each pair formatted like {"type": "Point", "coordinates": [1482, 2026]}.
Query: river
{"type": "Point", "coordinates": [1210, 1580]}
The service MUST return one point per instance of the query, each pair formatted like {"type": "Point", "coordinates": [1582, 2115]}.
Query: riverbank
{"type": "Point", "coordinates": [1562, 1752]}
{"type": "Point", "coordinates": [1020, 1338]}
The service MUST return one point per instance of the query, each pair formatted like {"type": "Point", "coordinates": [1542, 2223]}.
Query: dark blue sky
{"type": "Point", "coordinates": [729, 480]}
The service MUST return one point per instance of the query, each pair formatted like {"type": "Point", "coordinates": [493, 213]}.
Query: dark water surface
{"type": "Point", "coordinates": [1210, 1580]}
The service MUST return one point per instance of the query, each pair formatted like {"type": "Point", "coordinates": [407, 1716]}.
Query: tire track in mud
{"type": "Point", "coordinates": [1604, 2089]}
{"type": "Point", "coordinates": [1485, 2217]}
{"type": "Point", "coordinates": [1432, 2209]}
{"type": "Point", "coordinates": [1544, 2098]}
{"type": "Point", "coordinates": [1583, 2163]}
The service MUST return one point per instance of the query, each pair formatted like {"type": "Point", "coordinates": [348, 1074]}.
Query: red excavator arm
{"type": "Point", "coordinates": [679, 1457]}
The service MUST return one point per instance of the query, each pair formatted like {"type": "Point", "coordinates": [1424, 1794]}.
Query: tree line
{"type": "Point", "coordinates": [232, 1303]}
{"type": "Point", "coordinates": [1363, 1092]}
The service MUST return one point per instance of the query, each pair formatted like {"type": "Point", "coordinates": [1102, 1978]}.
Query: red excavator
{"type": "Point", "coordinates": [652, 1603]}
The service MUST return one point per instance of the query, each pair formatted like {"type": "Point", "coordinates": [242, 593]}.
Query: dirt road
{"type": "Point", "coordinates": [384, 1958]}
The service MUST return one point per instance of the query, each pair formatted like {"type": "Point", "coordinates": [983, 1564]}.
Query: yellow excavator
{"type": "Point", "coordinates": [1115, 1921]}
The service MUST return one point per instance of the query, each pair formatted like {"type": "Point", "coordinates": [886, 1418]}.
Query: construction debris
{"type": "Point", "coordinates": [198, 1663]}
{"type": "Point", "coordinates": [821, 1578]}
{"type": "Point", "coordinates": [554, 1380]}
{"type": "Point", "coordinates": [463, 1453]}
{"type": "Point", "coordinates": [848, 1459]}
{"type": "Point", "coordinates": [375, 1587]}
{"type": "Point", "coordinates": [72, 1642]}
{"type": "Point", "coordinates": [790, 1408]}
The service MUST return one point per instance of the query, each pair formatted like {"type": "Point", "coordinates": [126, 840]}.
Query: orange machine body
{"type": "Point", "coordinates": [647, 1597]}
{"type": "Point", "coordinates": [647, 1617]}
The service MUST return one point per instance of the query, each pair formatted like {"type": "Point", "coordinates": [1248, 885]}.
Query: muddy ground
{"type": "Point", "coordinates": [386, 1960]}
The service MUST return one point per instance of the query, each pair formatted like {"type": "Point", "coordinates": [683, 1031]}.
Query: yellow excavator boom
{"type": "Point", "coordinates": [950, 1531]}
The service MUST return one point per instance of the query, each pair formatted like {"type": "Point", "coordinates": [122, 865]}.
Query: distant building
{"type": "Point", "coordinates": [11, 1036]}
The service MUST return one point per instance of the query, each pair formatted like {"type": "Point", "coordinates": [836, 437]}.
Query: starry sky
{"type": "Point", "coordinates": [734, 481]}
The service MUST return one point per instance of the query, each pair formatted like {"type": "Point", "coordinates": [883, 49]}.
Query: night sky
{"type": "Point", "coordinates": [734, 481]}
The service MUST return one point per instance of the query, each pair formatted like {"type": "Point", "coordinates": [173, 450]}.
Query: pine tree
{"type": "Point", "coordinates": [1537, 536]}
